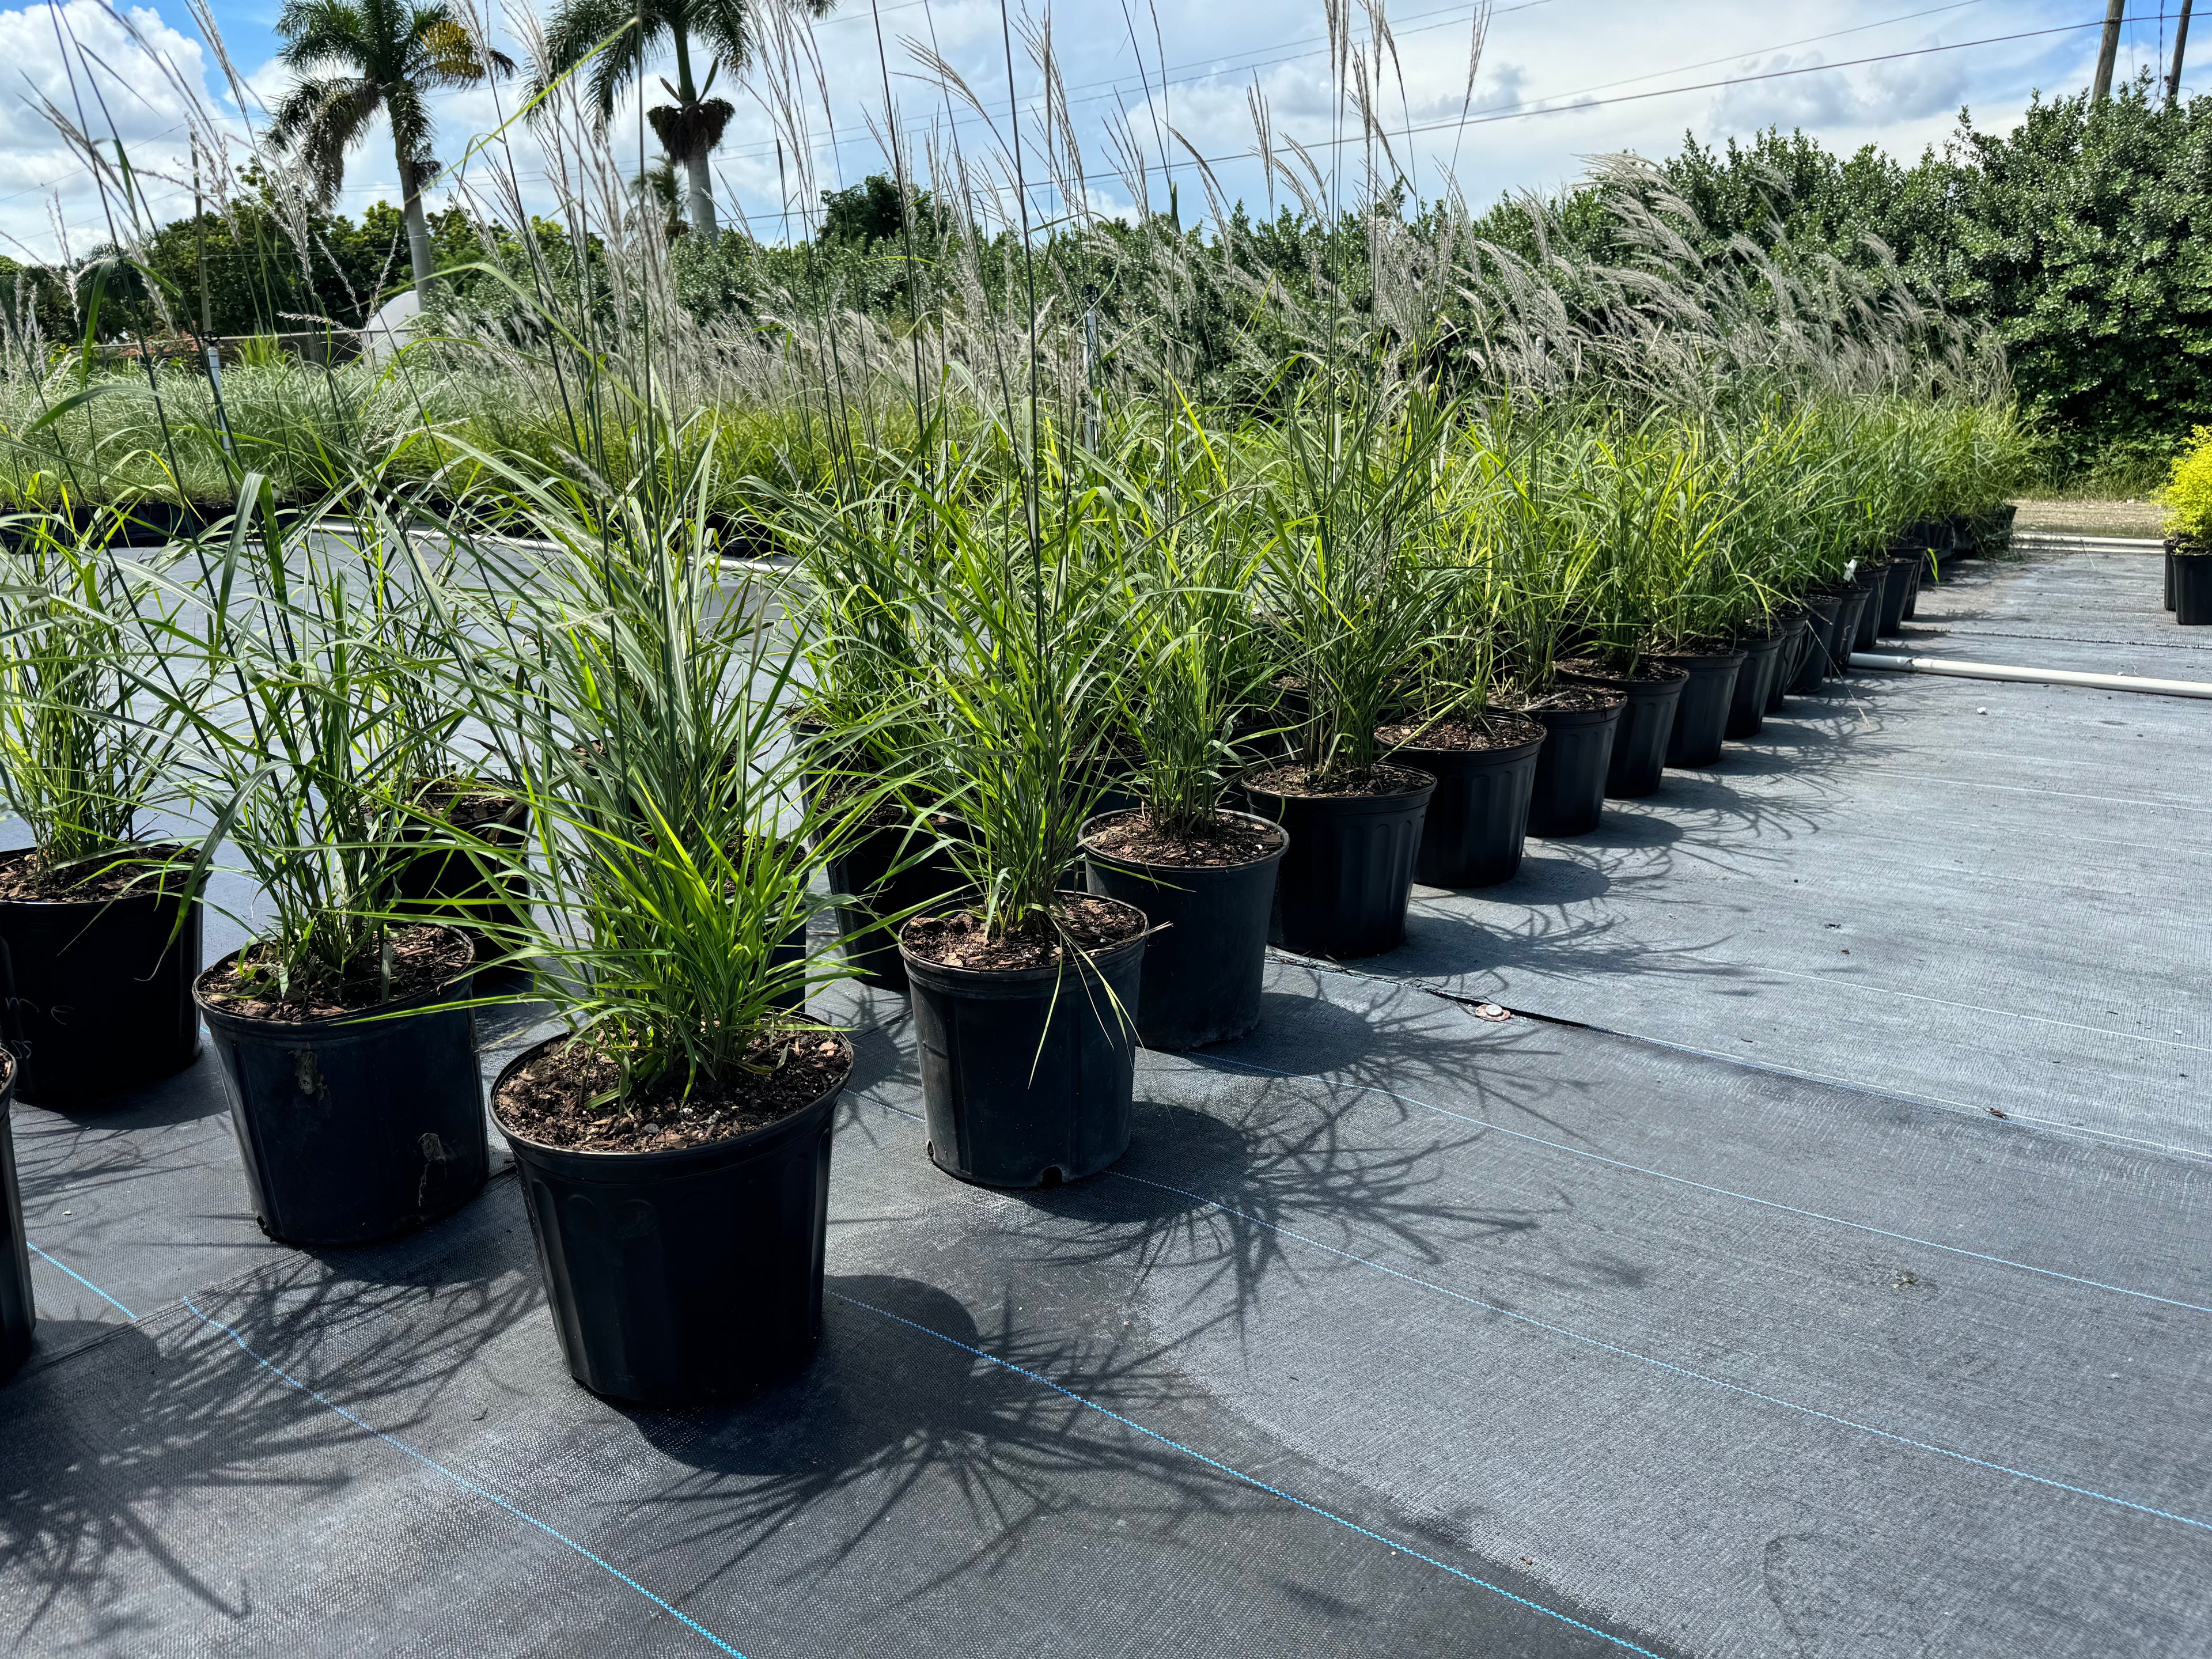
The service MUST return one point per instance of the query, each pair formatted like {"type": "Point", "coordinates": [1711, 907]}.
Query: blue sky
{"type": "Point", "coordinates": [1559, 81]}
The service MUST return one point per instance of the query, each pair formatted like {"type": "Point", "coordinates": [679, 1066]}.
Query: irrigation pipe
{"type": "Point", "coordinates": [1992, 670]}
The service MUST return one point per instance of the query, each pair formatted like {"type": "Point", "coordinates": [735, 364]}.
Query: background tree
{"type": "Point", "coordinates": [690, 129]}
{"type": "Point", "coordinates": [355, 58]}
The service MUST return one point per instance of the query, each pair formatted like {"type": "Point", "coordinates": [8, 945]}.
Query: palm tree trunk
{"type": "Point", "coordinates": [418, 229]}
{"type": "Point", "coordinates": [702, 194]}
{"type": "Point", "coordinates": [702, 191]}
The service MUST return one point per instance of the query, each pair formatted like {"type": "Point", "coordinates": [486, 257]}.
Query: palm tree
{"type": "Point", "coordinates": [355, 57]}
{"type": "Point", "coordinates": [691, 128]}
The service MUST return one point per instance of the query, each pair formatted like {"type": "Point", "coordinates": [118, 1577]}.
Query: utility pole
{"type": "Point", "coordinates": [2114, 11]}
{"type": "Point", "coordinates": [2180, 39]}
{"type": "Point", "coordinates": [208, 356]}
{"type": "Point", "coordinates": [199, 227]}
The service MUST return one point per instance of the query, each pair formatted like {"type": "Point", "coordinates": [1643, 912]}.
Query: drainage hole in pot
{"type": "Point", "coordinates": [1053, 1177]}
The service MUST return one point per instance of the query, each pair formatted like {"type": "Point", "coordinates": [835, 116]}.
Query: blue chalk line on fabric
{"type": "Point", "coordinates": [465, 1484]}
{"type": "Point", "coordinates": [1252, 1481]}
{"type": "Point", "coordinates": [1668, 1365]}
{"type": "Point", "coordinates": [1648, 1359]}
{"type": "Point", "coordinates": [82, 1280]}
{"type": "Point", "coordinates": [1725, 1192]}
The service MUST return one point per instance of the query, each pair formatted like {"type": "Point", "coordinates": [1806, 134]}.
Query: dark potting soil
{"type": "Point", "coordinates": [891, 812]}
{"type": "Point", "coordinates": [1709, 648]}
{"type": "Point", "coordinates": [1467, 736]}
{"type": "Point", "coordinates": [24, 877]}
{"type": "Point", "coordinates": [1573, 696]}
{"type": "Point", "coordinates": [465, 803]}
{"type": "Point", "coordinates": [1382, 780]}
{"type": "Point", "coordinates": [559, 1098]}
{"type": "Point", "coordinates": [424, 957]}
{"type": "Point", "coordinates": [1654, 671]}
{"type": "Point", "coordinates": [957, 939]}
{"type": "Point", "coordinates": [1227, 840]}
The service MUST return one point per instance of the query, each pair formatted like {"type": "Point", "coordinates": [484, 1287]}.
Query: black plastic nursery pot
{"type": "Point", "coordinates": [2166, 581]}
{"type": "Point", "coordinates": [18, 1310]}
{"type": "Point", "coordinates": [1844, 639]}
{"type": "Point", "coordinates": [1204, 965]}
{"type": "Point", "coordinates": [1348, 873]}
{"type": "Point", "coordinates": [867, 873]}
{"type": "Point", "coordinates": [1785, 666]}
{"type": "Point", "coordinates": [1569, 794]}
{"type": "Point", "coordinates": [1027, 1073]}
{"type": "Point", "coordinates": [1638, 764]}
{"type": "Point", "coordinates": [2192, 588]}
{"type": "Point", "coordinates": [1811, 666]}
{"type": "Point", "coordinates": [1872, 581]}
{"type": "Point", "coordinates": [1762, 661]}
{"type": "Point", "coordinates": [1938, 542]}
{"type": "Point", "coordinates": [360, 1126]}
{"type": "Point", "coordinates": [96, 994]}
{"type": "Point", "coordinates": [447, 886]}
{"type": "Point", "coordinates": [1477, 819]}
{"type": "Point", "coordinates": [1701, 716]}
{"type": "Point", "coordinates": [682, 1277]}
{"type": "Point", "coordinates": [1897, 585]}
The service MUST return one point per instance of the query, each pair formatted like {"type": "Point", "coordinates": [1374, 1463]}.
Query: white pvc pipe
{"type": "Point", "coordinates": [1991, 671]}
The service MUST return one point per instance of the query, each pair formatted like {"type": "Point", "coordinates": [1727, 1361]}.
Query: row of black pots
{"type": "Point", "coordinates": [1027, 1074]}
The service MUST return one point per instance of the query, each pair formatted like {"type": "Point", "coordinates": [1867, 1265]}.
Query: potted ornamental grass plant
{"type": "Point", "coordinates": [863, 713]}
{"type": "Point", "coordinates": [1649, 515]}
{"type": "Point", "coordinates": [673, 1139]}
{"type": "Point", "coordinates": [1352, 602]}
{"type": "Point", "coordinates": [1482, 753]}
{"type": "Point", "coordinates": [99, 933]}
{"type": "Point", "coordinates": [1025, 991]}
{"type": "Point", "coordinates": [2187, 500]}
{"type": "Point", "coordinates": [345, 1029]}
{"type": "Point", "coordinates": [1542, 569]}
{"type": "Point", "coordinates": [1190, 669]}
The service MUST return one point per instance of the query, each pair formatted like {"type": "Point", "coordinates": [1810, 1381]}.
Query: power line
{"type": "Point", "coordinates": [757, 150]}
{"type": "Point", "coordinates": [1520, 109]}
{"type": "Point", "coordinates": [1518, 112]}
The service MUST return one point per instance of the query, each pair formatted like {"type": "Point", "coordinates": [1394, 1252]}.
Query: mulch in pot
{"type": "Point", "coordinates": [1303, 781]}
{"type": "Point", "coordinates": [424, 957]}
{"type": "Point", "coordinates": [26, 878]}
{"type": "Point", "coordinates": [558, 1099]}
{"type": "Point", "coordinates": [1655, 671]}
{"type": "Point", "coordinates": [1231, 839]}
{"type": "Point", "coordinates": [1463, 737]}
{"type": "Point", "coordinates": [1569, 698]}
{"type": "Point", "coordinates": [958, 938]}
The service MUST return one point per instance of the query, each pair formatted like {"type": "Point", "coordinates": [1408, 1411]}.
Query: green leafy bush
{"type": "Point", "coordinates": [2187, 496]}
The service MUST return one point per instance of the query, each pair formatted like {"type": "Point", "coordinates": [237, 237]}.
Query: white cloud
{"type": "Point", "coordinates": [1799, 91]}
{"type": "Point", "coordinates": [132, 80]}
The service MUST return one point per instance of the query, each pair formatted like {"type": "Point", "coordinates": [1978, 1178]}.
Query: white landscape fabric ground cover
{"type": "Point", "coordinates": [1974, 894]}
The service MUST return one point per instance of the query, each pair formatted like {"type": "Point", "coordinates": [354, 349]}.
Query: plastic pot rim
{"type": "Point", "coordinates": [1093, 963]}
{"type": "Point", "coordinates": [1455, 757]}
{"type": "Point", "coordinates": [1198, 871]}
{"type": "Point", "coordinates": [437, 996]}
{"type": "Point", "coordinates": [1691, 660]}
{"type": "Point", "coordinates": [1393, 802]}
{"type": "Point", "coordinates": [585, 1163]}
{"type": "Point", "coordinates": [136, 895]}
